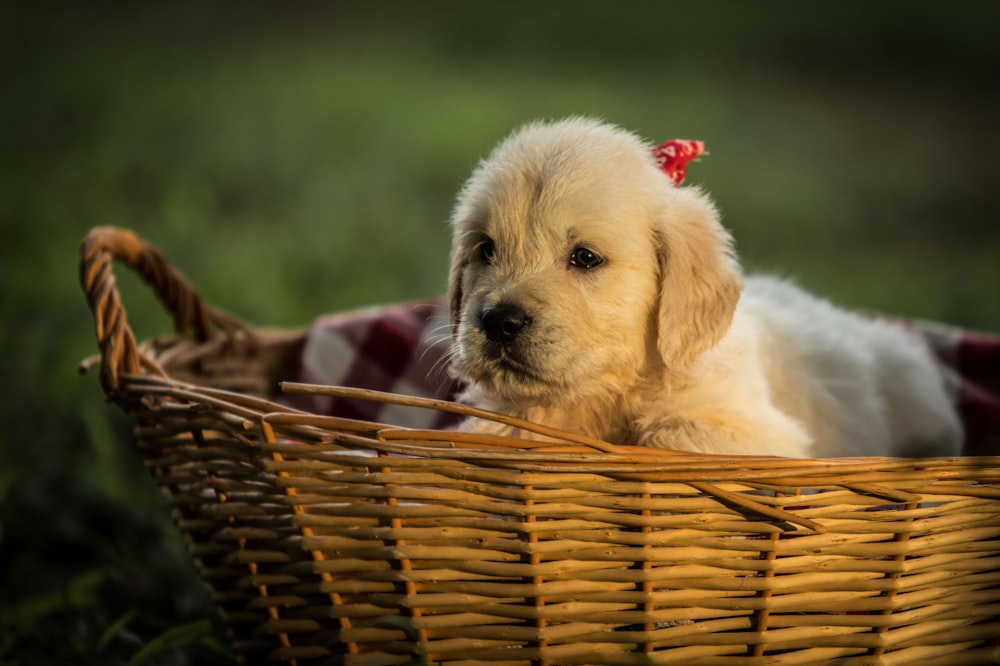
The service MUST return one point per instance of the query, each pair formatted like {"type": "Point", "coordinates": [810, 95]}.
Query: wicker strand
{"type": "Point", "coordinates": [318, 555]}
{"type": "Point", "coordinates": [449, 407]}
{"type": "Point", "coordinates": [119, 352]}
{"type": "Point", "coordinates": [762, 614]}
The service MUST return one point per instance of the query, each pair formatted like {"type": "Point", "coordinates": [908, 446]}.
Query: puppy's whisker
{"type": "Point", "coordinates": [438, 334]}
{"type": "Point", "coordinates": [433, 341]}
{"type": "Point", "coordinates": [439, 372]}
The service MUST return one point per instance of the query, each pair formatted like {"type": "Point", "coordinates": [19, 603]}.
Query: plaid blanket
{"type": "Point", "coordinates": [403, 349]}
{"type": "Point", "coordinates": [393, 348]}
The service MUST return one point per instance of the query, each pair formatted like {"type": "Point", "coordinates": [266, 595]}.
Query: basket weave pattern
{"type": "Point", "coordinates": [328, 540]}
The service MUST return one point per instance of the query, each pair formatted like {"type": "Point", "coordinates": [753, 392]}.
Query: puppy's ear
{"type": "Point", "coordinates": [700, 279]}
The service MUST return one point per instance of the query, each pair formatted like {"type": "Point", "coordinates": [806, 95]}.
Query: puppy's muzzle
{"type": "Point", "coordinates": [503, 322]}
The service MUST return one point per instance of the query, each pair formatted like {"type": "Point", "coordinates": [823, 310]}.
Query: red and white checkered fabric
{"type": "Point", "coordinates": [395, 348]}
{"type": "Point", "coordinates": [403, 349]}
{"type": "Point", "coordinates": [971, 363]}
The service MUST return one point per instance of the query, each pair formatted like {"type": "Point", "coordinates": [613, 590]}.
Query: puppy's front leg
{"type": "Point", "coordinates": [487, 427]}
{"type": "Point", "coordinates": [730, 434]}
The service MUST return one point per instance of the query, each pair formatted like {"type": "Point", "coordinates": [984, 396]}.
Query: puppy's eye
{"type": "Point", "coordinates": [487, 250]}
{"type": "Point", "coordinates": [585, 258]}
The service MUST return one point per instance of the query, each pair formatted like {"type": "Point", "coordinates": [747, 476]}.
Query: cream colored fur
{"type": "Point", "coordinates": [664, 343]}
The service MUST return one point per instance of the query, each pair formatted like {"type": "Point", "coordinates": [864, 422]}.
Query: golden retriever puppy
{"type": "Point", "coordinates": [590, 294]}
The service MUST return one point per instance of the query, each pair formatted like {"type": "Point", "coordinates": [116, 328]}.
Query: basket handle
{"type": "Point", "coordinates": [119, 352]}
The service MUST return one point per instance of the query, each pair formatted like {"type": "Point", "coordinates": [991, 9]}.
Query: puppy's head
{"type": "Point", "coordinates": [577, 267]}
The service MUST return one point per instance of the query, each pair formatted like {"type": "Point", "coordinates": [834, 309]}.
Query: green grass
{"type": "Point", "coordinates": [298, 160]}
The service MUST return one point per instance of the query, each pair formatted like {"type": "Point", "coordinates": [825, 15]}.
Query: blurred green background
{"type": "Point", "coordinates": [300, 158]}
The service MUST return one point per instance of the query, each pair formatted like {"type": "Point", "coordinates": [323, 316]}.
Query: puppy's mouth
{"type": "Point", "coordinates": [504, 364]}
{"type": "Point", "coordinates": [505, 370]}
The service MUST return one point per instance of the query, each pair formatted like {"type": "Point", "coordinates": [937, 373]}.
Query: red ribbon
{"type": "Point", "coordinates": [672, 157]}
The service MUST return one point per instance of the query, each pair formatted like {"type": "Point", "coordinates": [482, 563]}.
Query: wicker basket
{"type": "Point", "coordinates": [328, 540]}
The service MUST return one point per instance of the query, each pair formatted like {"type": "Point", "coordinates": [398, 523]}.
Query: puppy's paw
{"type": "Point", "coordinates": [487, 427]}
{"type": "Point", "coordinates": [782, 437]}
{"type": "Point", "coordinates": [682, 434]}
{"type": "Point", "coordinates": [492, 428]}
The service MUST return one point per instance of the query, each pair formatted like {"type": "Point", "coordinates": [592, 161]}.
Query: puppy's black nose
{"type": "Point", "coordinates": [503, 322]}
